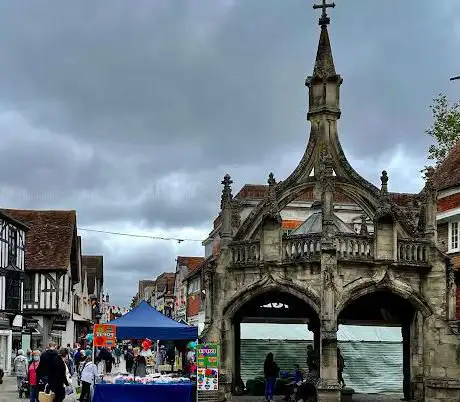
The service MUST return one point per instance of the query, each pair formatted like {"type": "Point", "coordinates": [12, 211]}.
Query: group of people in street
{"type": "Point", "coordinates": [52, 370]}
{"type": "Point", "coordinates": [272, 372]}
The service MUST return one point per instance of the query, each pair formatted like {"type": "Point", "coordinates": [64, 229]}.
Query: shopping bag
{"type": "Point", "coordinates": [47, 395]}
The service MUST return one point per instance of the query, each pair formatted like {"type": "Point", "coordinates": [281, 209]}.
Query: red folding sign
{"type": "Point", "coordinates": [105, 335]}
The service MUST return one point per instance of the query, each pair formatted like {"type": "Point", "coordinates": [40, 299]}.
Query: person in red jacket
{"type": "Point", "coordinates": [33, 382]}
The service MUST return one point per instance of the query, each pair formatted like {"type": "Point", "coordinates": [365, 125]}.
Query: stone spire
{"type": "Point", "coordinates": [324, 84]}
{"type": "Point", "coordinates": [226, 207]}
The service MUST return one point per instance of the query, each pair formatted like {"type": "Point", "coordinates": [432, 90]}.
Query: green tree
{"type": "Point", "coordinates": [445, 129]}
{"type": "Point", "coordinates": [134, 301]}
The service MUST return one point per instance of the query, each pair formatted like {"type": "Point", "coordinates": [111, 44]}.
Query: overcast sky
{"type": "Point", "coordinates": [131, 112]}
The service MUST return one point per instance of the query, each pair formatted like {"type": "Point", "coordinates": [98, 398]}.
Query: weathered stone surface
{"type": "Point", "coordinates": [331, 272]}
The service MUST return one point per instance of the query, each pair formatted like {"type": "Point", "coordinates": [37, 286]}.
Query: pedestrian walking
{"type": "Point", "coordinates": [340, 367]}
{"type": "Point", "coordinates": [52, 372]}
{"type": "Point", "coordinates": [271, 372]}
{"type": "Point", "coordinates": [117, 355]}
{"type": "Point", "coordinates": [129, 359]}
{"type": "Point", "coordinates": [88, 377]}
{"type": "Point", "coordinates": [20, 368]}
{"type": "Point", "coordinates": [33, 381]}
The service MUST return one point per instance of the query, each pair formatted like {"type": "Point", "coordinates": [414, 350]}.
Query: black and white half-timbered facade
{"type": "Point", "coordinates": [12, 263]}
{"type": "Point", "coordinates": [52, 269]}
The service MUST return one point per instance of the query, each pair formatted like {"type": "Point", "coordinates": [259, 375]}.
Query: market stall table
{"type": "Point", "coordinates": [143, 393]}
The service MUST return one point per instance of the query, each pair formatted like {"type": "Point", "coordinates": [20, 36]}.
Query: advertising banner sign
{"type": "Point", "coordinates": [207, 356]}
{"type": "Point", "coordinates": [105, 335]}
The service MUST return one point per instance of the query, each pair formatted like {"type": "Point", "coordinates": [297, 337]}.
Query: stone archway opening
{"type": "Point", "coordinates": [260, 326]}
{"type": "Point", "coordinates": [379, 361]}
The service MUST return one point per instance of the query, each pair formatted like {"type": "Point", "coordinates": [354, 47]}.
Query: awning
{"type": "Point", "coordinates": [145, 322]}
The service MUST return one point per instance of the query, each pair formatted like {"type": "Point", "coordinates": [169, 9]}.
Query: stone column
{"type": "Point", "coordinates": [328, 387]}
{"type": "Point", "coordinates": [227, 353]}
{"type": "Point", "coordinates": [407, 388]}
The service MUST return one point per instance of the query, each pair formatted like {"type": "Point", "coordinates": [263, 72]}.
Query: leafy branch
{"type": "Point", "coordinates": [445, 129]}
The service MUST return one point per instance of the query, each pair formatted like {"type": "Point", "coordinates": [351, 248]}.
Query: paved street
{"type": "Point", "coordinates": [357, 398]}
{"type": "Point", "coordinates": [8, 392]}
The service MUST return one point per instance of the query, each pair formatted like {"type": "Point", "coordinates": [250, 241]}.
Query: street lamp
{"type": "Point", "coordinates": [455, 78]}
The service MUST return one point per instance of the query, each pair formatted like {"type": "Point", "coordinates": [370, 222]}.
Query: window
{"type": "Point", "coordinates": [194, 286]}
{"type": "Point", "coordinates": [453, 237]}
{"type": "Point", "coordinates": [29, 287]}
{"type": "Point", "coordinates": [76, 304]}
{"type": "Point", "coordinates": [12, 246]}
{"type": "Point", "coordinates": [13, 292]}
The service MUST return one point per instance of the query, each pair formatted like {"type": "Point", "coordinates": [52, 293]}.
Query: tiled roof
{"type": "Point", "coordinates": [50, 237]}
{"type": "Point", "coordinates": [192, 263]}
{"type": "Point", "coordinates": [17, 223]}
{"type": "Point", "coordinates": [447, 174]}
{"type": "Point", "coordinates": [165, 280]}
{"type": "Point", "coordinates": [93, 265]}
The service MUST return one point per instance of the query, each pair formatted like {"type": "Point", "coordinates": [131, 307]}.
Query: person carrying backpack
{"type": "Point", "coordinates": [20, 368]}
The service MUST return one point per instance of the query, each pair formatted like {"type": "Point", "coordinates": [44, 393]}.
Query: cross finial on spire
{"type": "Point", "coordinates": [324, 20]}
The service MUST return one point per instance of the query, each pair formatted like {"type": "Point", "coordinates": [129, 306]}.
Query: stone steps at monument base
{"type": "Point", "coordinates": [370, 367]}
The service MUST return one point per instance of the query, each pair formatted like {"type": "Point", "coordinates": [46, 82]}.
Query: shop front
{"type": "Point", "coordinates": [6, 343]}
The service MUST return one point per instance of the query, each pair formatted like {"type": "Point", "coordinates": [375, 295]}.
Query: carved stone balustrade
{"type": "Point", "coordinates": [354, 246]}
{"type": "Point", "coordinates": [413, 251]}
{"type": "Point", "coordinates": [302, 247]}
{"type": "Point", "coordinates": [245, 252]}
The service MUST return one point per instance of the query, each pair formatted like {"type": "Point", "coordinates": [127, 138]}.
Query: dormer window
{"type": "Point", "coordinates": [454, 243]}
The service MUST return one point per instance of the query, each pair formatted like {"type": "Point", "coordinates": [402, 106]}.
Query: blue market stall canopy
{"type": "Point", "coordinates": [144, 321]}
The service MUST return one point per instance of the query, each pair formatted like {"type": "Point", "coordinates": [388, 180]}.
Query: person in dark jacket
{"type": "Point", "coordinates": [271, 372]}
{"type": "Point", "coordinates": [140, 364]}
{"type": "Point", "coordinates": [52, 371]}
{"type": "Point", "coordinates": [106, 356]}
{"type": "Point", "coordinates": [129, 359]}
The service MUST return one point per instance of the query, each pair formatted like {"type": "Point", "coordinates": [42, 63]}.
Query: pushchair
{"type": "Point", "coordinates": [25, 389]}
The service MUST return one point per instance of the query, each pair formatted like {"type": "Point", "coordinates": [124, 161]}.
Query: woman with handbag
{"type": "Point", "coordinates": [52, 373]}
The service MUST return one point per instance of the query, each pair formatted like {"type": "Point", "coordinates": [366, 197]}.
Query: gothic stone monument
{"type": "Point", "coordinates": [387, 270]}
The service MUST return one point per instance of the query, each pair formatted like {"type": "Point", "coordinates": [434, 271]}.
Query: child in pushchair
{"type": "Point", "coordinates": [25, 389]}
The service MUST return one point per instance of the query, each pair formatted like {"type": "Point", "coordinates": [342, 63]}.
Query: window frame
{"type": "Point", "coordinates": [13, 246]}
{"type": "Point", "coordinates": [13, 293]}
{"type": "Point", "coordinates": [29, 279]}
{"type": "Point", "coordinates": [450, 248]}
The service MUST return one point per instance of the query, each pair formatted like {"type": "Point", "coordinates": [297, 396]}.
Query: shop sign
{"type": "Point", "coordinates": [208, 367]}
{"type": "Point", "coordinates": [105, 335]}
{"type": "Point", "coordinates": [30, 325]}
{"type": "Point", "coordinates": [59, 325]}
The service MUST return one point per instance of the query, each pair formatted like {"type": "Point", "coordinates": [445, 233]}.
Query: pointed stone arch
{"type": "Point", "coordinates": [266, 285]}
{"type": "Point", "coordinates": [364, 287]}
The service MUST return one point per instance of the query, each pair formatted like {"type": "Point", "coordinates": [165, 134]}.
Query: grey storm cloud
{"type": "Point", "coordinates": [131, 112]}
